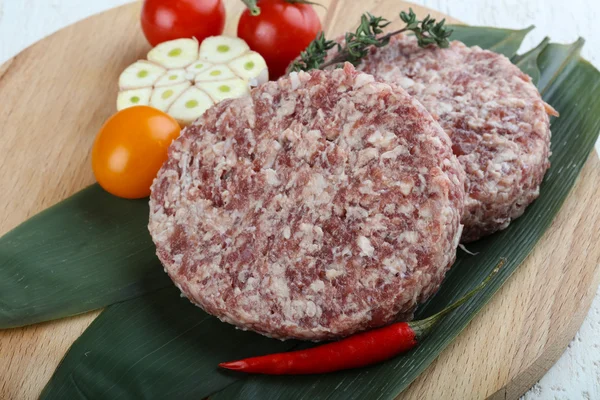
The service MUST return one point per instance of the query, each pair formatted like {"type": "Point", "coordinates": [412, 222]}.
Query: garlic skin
{"type": "Point", "coordinates": [184, 78]}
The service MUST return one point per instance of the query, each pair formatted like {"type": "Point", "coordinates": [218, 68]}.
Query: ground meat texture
{"type": "Point", "coordinates": [324, 204]}
{"type": "Point", "coordinates": [494, 116]}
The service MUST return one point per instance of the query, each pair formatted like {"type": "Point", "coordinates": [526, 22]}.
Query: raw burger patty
{"type": "Point", "coordinates": [321, 205]}
{"type": "Point", "coordinates": [494, 116]}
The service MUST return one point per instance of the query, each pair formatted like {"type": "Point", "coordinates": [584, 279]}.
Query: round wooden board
{"type": "Point", "coordinates": [56, 95]}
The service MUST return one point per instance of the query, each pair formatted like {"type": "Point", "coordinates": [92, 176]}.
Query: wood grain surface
{"type": "Point", "coordinates": [56, 95]}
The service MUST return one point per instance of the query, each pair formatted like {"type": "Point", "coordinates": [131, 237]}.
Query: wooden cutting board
{"type": "Point", "coordinates": [56, 95]}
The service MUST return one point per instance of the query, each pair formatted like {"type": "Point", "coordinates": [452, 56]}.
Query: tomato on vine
{"type": "Point", "coordinates": [279, 30]}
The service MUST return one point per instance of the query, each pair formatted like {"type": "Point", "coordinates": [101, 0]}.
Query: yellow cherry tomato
{"type": "Point", "coordinates": [130, 149]}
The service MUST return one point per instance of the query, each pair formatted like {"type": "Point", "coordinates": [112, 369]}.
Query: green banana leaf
{"type": "Point", "coordinates": [503, 41]}
{"type": "Point", "coordinates": [86, 252]}
{"type": "Point", "coordinates": [179, 340]}
{"type": "Point", "coordinates": [528, 62]}
{"type": "Point", "coordinates": [159, 346]}
{"type": "Point", "coordinates": [557, 61]}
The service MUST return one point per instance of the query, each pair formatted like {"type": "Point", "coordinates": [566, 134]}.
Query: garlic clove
{"type": "Point", "coordinates": [173, 54]}
{"type": "Point", "coordinates": [199, 66]}
{"type": "Point", "coordinates": [164, 97]}
{"type": "Point", "coordinates": [215, 73]}
{"type": "Point", "coordinates": [220, 49]}
{"type": "Point", "coordinates": [172, 77]}
{"type": "Point", "coordinates": [133, 97]}
{"type": "Point", "coordinates": [140, 74]}
{"type": "Point", "coordinates": [190, 105]}
{"type": "Point", "coordinates": [225, 89]}
{"type": "Point", "coordinates": [251, 66]}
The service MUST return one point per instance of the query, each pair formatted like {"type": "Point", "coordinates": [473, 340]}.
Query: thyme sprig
{"type": "Point", "coordinates": [368, 34]}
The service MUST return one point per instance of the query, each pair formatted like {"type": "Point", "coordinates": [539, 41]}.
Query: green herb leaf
{"type": "Point", "coordinates": [369, 34]}
{"type": "Point", "coordinates": [153, 347]}
{"type": "Point", "coordinates": [314, 55]}
{"type": "Point", "coordinates": [86, 252]}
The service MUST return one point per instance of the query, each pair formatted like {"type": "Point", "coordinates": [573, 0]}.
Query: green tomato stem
{"type": "Point", "coordinates": [251, 4]}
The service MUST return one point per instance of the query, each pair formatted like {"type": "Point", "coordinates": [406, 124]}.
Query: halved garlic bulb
{"type": "Point", "coordinates": [184, 79]}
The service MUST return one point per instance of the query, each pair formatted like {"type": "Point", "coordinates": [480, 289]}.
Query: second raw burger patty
{"type": "Point", "coordinates": [324, 204]}
{"type": "Point", "coordinates": [494, 115]}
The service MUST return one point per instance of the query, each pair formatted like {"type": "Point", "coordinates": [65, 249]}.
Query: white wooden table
{"type": "Point", "coordinates": [577, 374]}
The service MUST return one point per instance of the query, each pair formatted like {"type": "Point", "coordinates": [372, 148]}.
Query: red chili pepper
{"type": "Point", "coordinates": [355, 351]}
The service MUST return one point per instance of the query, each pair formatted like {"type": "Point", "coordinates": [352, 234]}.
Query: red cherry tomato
{"type": "Point", "coordinates": [164, 20]}
{"type": "Point", "coordinates": [280, 32]}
